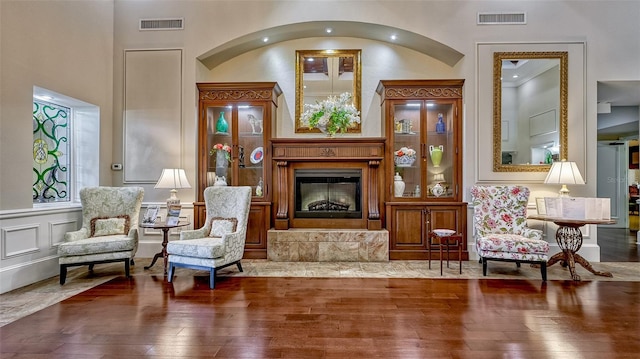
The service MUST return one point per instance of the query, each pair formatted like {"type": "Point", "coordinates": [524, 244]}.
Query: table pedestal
{"type": "Point", "coordinates": [163, 253]}
{"type": "Point", "coordinates": [165, 239]}
{"type": "Point", "coordinates": [569, 239]}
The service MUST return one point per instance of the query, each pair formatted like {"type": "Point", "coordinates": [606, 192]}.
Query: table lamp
{"type": "Point", "coordinates": [564, 173]}
{"type": "Point", "coordinates": [173, 178]}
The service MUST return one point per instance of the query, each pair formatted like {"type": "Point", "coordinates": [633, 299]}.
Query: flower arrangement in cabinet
{"type": "Point", "coordinates": [404, 157]}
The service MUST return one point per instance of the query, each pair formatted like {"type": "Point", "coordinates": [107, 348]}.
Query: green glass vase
{"type": "Point", "coordinates": [222, 126]}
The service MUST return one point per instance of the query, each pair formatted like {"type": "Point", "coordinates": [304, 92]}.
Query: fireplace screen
{"type": "Point", "coordinates": [328, 193]}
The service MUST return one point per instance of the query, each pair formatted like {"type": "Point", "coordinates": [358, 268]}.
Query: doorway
{"type": "Point", "coordinates": [618, 175]}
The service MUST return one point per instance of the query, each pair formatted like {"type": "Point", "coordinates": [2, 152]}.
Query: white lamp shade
{"type": "Point", "coordinates": [564, 172]}
{"type": "Point", "coordinates": [173, 178]}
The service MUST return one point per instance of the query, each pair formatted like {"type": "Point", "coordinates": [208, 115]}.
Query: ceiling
{"type": "Point", "coordinates": [371, 31]}
{"type": "Point", "coordinates": [618, 94]}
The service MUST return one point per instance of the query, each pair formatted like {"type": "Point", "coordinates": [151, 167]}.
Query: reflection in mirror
{"type": "Point", "coordinates": [529, 110]}
{"type": "Point", "coordinates": [324, 73]}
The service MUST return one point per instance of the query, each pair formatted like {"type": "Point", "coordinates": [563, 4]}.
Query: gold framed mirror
{"type": "Point", "coordinates": [324, 73]}
{"type": "Point", "coordinates": [530, 92]}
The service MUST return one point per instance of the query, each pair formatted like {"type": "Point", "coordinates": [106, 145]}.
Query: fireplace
{"type": "Point", "coordinates": [328, 183]}
{"type": "Point", "coordinates": [327, 193]}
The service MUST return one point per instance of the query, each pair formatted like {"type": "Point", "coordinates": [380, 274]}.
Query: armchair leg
{"type": "Point", "coordinates": [484, 266]}
{"type": "Point", "coordinates": [63, 274]}
{"type": "Point", "coordinates": [171, 270]}
{"type": "Point", "coordinates": [239, 266]}
{"type": "Point", "coordinates": [543, 271]}
{"type": "Point", "coordinates": [212, 278]}
{"type": "Point", "coordinates": [127, 269]}
{"type": "Point", "coordinates": [132, 262]}
{"type": "Point", "coordinates": [517, 264]}
{"type": "Point", "coordinates": [90, 267]}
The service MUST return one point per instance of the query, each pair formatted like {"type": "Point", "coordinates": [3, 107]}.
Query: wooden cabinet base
{"type": "Point", "coordinates": [411, 223]}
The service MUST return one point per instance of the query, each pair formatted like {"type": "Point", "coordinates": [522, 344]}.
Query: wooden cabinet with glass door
{"type": "Point", "coordinates": [234, 131]}
{"type": "Point", "coordinates": [422, 122]}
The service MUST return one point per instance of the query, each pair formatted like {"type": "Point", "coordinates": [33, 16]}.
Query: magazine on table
{"type": "Point", "coordinates": [173, 215]}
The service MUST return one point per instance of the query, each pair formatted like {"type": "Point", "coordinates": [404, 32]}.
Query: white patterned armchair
{"type": "Point", "coordinates": [500, 227]}
{"type": "Point", "coordinates": [220, 243]}
{"type": "Point", "coordinates": [109, 230]}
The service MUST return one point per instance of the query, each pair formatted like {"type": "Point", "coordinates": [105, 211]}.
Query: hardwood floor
{"type": "Point", "coordinates": [286, 317]}
{"type": "Point", "coordinates": [258, 317]}
{"type": "Point", "coordinates": [618, 245]}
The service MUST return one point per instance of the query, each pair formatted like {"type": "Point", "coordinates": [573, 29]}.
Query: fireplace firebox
{"type": "Point", "coordinates": [328, 193]}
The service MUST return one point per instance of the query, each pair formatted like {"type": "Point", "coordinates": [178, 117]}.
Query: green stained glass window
{"type": "Point", "coordinates": [51, 152]}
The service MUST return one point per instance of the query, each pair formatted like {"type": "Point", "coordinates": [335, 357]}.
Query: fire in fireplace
{"type": "Point", "coordinates": [328, 193]}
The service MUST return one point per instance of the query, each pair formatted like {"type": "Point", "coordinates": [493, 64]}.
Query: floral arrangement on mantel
{"type": "Point", "coordinates": [332, 115]}
{"type": "Point", "coordinates": [220, 147]}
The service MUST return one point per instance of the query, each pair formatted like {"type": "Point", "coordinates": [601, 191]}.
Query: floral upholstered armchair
{"type": "Point", "coordinates": [109, 230]}
{"type": "Point", "coordinates": [500, 227]}
{"type": "Point", "coordinates": [220, 243]}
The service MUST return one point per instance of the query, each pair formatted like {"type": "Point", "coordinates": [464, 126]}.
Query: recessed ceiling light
{"type": "Point", "coordinates": [265, 39]}
{"type": "Point", "coordinates": [394, 37]}
{"type": "Point", "coordinates": [515, 76]}
{"type": "Point", "coordinates": [328, 30]}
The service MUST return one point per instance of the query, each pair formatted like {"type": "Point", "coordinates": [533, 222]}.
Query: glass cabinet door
{"type": "Point", "coordinates": [440, 149]}
{"type": "Point", "coordinates": [220, 144]}
{"type": "Point", "coordinates": [406, 142]}
{"type": "Point", "coordinates": [251, 143]}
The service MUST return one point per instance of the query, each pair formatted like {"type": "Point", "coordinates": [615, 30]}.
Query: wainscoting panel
{"type": "Point", "coordinates": [57, 230]}
{"type": "Point", "coordinates": [19, 240]}
{"type": "Point", "coordinates": [28, 243]}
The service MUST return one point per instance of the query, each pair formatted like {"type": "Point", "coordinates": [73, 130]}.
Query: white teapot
{"type": "Point", "coordinates": [220, 181]}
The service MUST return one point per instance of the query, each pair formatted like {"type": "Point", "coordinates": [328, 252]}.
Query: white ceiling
{"type": "Point", "coordinates": [618, 94]}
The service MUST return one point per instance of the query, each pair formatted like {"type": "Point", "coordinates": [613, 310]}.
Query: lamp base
{"type": "Point", "coordinates": [564, 191]}
{"type": "Point", "coordinates": [173, 200]}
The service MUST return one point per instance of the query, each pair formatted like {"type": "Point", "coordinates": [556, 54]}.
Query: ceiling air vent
{"type": "Point", "coordinates": [162, 24]}
{"type": "Point", "coordinates": [502, 18]}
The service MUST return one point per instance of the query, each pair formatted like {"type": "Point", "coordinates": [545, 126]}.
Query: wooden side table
{"type": "Point", "coordinates": [454, 240]}
{"type": "Point", "coordinates": [569, 239]}
{"type": "Point", "coordinates": [165, 239]}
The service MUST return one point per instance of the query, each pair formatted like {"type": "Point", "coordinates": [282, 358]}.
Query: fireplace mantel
{"type": "Point", "coordinates": [366, 154]}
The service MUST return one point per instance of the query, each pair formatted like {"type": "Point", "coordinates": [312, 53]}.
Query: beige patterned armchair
{"type": "Point", "coordinates": [220, 243]}
{"type": "Point", "coordinates": [109, 230]}
{"type": "Point", "coordinates": [500, 227]}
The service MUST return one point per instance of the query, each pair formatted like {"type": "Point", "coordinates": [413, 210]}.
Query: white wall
{"type": "Point", "coordinates": [67, 47]}
{"type": "Point", "coordinates": [63, 46]}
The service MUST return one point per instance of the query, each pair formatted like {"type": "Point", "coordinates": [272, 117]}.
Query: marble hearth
{"type": "Point", "coordinates": [328, 245]}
